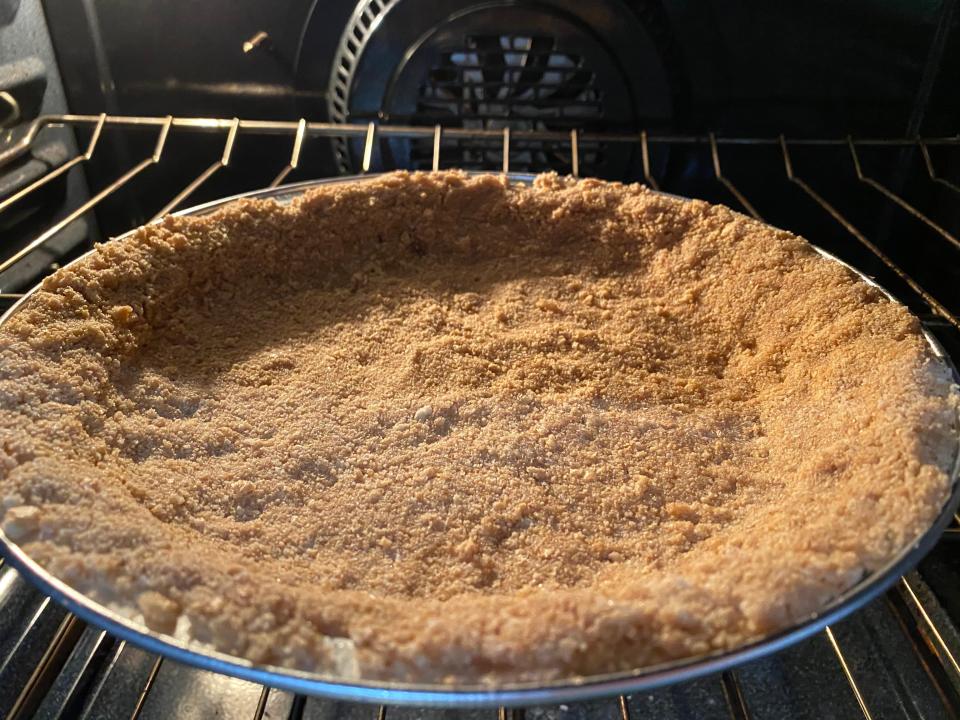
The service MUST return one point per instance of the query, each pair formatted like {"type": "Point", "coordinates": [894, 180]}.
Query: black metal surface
{"type": "Point", "coordinates": [25, 81]}
{"type": "Point", "coordinates": [28, 70]}
{"type": "Point", "coordinates": [65, 695]}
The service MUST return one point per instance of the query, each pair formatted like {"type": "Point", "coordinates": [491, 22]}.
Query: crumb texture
{"type": "Point", "coordinates": [439, 428]}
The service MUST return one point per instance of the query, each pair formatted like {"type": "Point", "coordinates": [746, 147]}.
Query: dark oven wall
{"type": "Point", "coordinates": [749, 67]}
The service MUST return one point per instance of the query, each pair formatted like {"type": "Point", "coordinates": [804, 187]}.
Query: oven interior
{"type": "Point", "coordinates": [837, 123]}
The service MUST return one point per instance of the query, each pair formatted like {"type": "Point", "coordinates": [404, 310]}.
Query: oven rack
{"type": "Point", "coordinates": [933, 642]}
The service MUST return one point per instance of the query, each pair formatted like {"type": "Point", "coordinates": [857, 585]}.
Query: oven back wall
{"type": "Point", "coordinates": [866, 67]}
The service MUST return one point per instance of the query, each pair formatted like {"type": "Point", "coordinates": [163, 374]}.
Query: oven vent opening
{"type": "Point", "coordinates": [522, 82]}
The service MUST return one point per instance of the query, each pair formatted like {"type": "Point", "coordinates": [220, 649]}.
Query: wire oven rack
{"type": "Point", "coordinates": [70, 643]}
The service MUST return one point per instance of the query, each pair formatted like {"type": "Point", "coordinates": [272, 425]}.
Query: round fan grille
{"type": "Point", "coordinates": [550, 65]}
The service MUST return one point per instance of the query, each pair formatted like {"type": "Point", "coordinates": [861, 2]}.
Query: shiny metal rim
{"type": "Point", "coordinates": [567, 690]}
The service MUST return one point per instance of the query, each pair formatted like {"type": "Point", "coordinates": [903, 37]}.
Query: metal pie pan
{"type": "Point", "coordinates": [567, 690]}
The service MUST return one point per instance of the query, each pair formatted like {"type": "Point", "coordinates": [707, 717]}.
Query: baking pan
{"type": "Point", "coordinates": [567, 690]}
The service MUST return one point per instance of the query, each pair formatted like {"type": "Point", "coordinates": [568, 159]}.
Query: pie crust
{"type": "Point", "coordinates": [435, 427]}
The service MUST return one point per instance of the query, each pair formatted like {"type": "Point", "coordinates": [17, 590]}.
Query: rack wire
{"type": "Point", "coordinates": [928, 632]}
